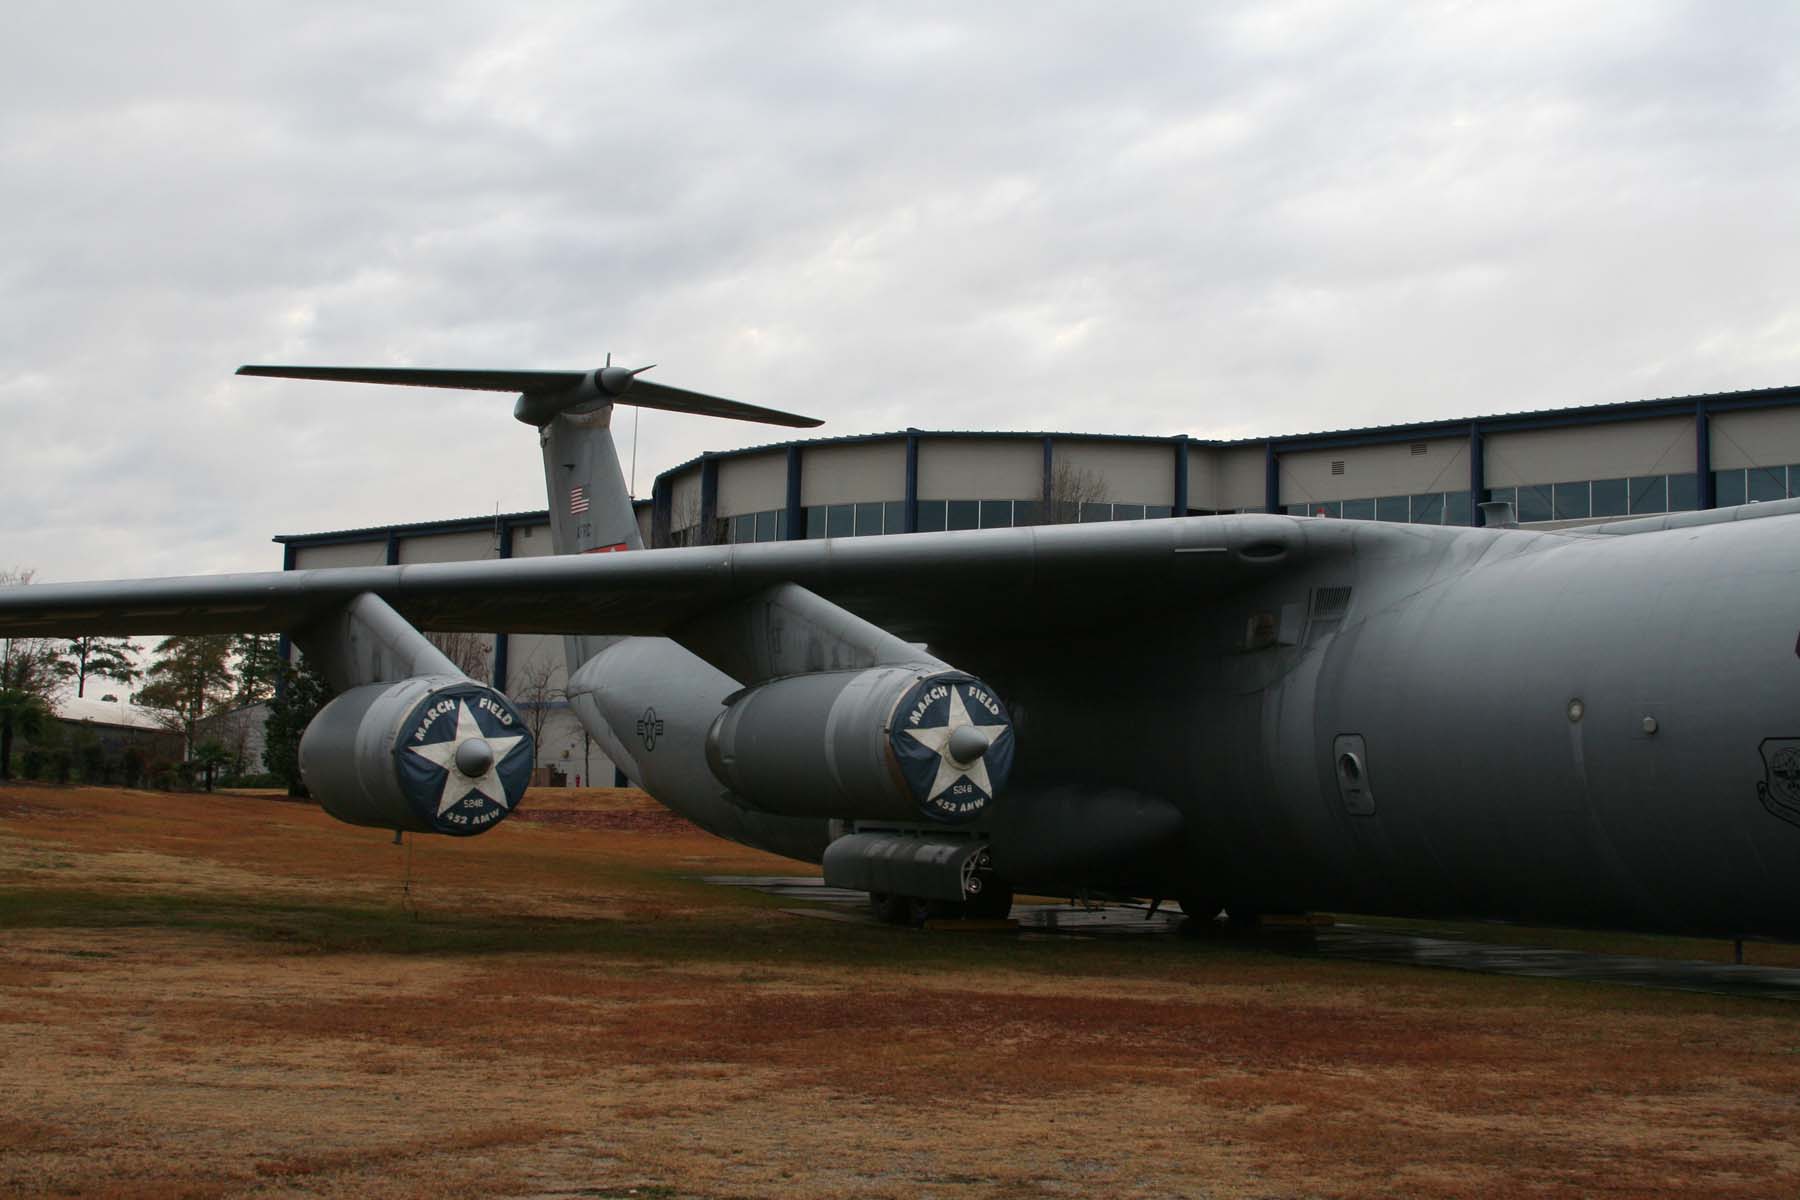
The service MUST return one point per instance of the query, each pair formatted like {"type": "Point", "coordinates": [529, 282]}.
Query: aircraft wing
{"type": "Point", "coordinates": [1035, 580]}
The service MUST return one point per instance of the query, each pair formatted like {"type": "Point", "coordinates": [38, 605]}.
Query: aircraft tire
{"type": "Point", "coordinates": [891, 909]}
{"type": "Point", "coordinates": [1200, 908]}
{"type": "Point", "coordinates": [993, 904]}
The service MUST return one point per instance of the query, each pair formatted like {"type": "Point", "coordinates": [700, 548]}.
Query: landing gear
{"type": "Point", "coordinates": [991, 903]}
{"type": "Point", "coordinates": [890, 909]}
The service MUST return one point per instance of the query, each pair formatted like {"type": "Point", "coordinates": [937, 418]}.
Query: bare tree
{"type": "Point", "coordinates": [1070, 488]}
{"type": "Point", "coordinates": [530, 688]}
{"type": "Point", "coordinates": [471, 652]}
{"type": "Point", "coordinates": [686, 528]}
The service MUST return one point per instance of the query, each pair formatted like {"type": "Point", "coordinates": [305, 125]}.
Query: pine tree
{"type": "Point", "coordinates": [302, 694]}
{"type": "Point", "coordinates": [189, 678]}
{"type": "Point", "coordinates": [27, 678]}
{"type": "Point", "coordinates": [258, 666]}
{"type": "Point", "coordinates": [108, 658]}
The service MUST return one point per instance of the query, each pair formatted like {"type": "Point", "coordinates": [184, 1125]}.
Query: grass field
{"type": "Point", "coordinates": [213, 996]}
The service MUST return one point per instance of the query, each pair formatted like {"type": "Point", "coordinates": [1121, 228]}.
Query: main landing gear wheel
{"type": "Point", "coordinates": [891, 909]}
{"type": "Point", "coordinates": [1201, 913]}
{"type": "Point", "coordinates": [992, 903]}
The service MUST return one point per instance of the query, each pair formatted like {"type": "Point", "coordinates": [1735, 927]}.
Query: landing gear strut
{"type": "Point", "coordinates": [991, 903]}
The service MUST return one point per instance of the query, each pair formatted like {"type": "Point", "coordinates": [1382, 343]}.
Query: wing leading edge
{"type": "Point", "coordinates": [1038, 580]}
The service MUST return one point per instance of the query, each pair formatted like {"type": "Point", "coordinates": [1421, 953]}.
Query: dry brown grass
{"type": "Point", "coordinates": [231, 996]}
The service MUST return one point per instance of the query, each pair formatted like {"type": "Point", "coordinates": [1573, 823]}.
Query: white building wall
{"type": "Point", "coordinates": [469, 546]}
{"type": "Point", "coordinates": [1242, 478]}
{"type": "Point", "coordinates": [1134, 472]}
{"type": "Point", "coordinates": [1203, 478]}
{"type": "Point", "coordinates": [531, 541]}
{"type": "Point", "coordinates": [753, 483]}
{"type": "Point", "coordinates": [1371, 471]}
{"type": "Point", "coordinates": [844, 474]}
{"type": "Point", "coordinates": [980, 469]}
{"type": "Point", "coordinates": [1765, 437]}
{"type": "Point", "coordinates": [349, 554]}
{"type": "Point", "coordinates": [1608, 451]}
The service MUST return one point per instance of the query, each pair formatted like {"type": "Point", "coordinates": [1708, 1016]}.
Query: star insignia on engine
{"type": "Point", "coordinates": [459, 785]}
{"type": "Point", "coordinates": [939, 740]}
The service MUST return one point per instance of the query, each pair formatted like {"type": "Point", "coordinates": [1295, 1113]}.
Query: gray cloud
{"type": "Point", "coordinates": [1225, 221]}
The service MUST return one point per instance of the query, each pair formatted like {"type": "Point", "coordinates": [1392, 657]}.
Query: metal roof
{"type": "Point", "coordinates": [539, 516]}
{"type": "Point", "coordinates": [1545, 418]}
{"type": "Point", "coordinates": [1444, 426]}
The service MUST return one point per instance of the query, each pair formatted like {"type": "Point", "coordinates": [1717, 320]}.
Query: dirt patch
{"type": "Point", "coordinates": [225, 995]}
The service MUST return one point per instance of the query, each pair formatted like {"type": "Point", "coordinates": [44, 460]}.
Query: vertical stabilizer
{"type": "Point", "coordinates": [590, 509]}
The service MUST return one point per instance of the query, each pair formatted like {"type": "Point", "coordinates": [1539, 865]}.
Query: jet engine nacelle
{"type": "Point", "coordinates": [887, 743]}
{"type": "Point", "coordinates": [431, 754]}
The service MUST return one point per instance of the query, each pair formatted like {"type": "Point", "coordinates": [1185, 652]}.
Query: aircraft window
{"type": "Point", "coordinates": [1534, 503]}
{"type": "Point", "coordinates": [1609, 498]}
{"type": "Point", "coordinates": [1128, 512]}
{"type": "Point", "coordinates": [1728, 488]}
{"type": "Point", "coordinates": [840, 521]}
{"type": "Point", "coordinates": [1428, 509]}
{"type": "Point", "coordinates": [1572, 501]}
{"type": "Point", "coordinates": [1359, 510]}
{"type": "Point", "coordinates": [768, 525]}
{"type": "Point", "coordinates": [1156, 512]}
{"type": "Point", "coordinates": [893, 516]}
{"type": "Point", "coordinates": [996, 514]}
{"type": "Point", "coordinates": [931, 516]}
{"type": "Point", "coordinates": [1684, 492]}
{"type": "Point", "coordinates": [743, 529]}
{"type": "Point", "coordinates": [1767, 483]}
{"type": "Point", "coordinates": [1649, 493]}
{"type": "Point", "coordinates": [868, 518]}
{"type": "Point", "coordinates": [963, 514]}
{"type": "Point", "coordinates": [1391, 508]}
{"type": "Point", "coordinates": [1456, 508]}
{"type": "Point", "coordinates": [1028, 512]}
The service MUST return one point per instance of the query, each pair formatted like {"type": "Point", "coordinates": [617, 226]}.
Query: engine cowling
{"type": "Point", "coordinates": [888, 743]}
{"type": "Point", "coordinates": [431, 754]}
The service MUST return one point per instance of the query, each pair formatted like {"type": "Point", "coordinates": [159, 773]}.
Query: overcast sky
{"type": "Point", "coordinates": [1214, 219]}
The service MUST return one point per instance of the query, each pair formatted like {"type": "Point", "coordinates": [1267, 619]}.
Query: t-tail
{"type": "Point", "coordinates": [590, 506]}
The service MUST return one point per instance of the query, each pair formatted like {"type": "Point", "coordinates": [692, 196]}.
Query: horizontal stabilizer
{"type": "Point", "coordinates": [542, 390]}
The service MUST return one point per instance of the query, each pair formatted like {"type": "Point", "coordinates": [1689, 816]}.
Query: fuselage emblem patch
{"type": "Point", "coordinates": [649, 728]}
{"type": "Point", "coordinates": [1780, 789]}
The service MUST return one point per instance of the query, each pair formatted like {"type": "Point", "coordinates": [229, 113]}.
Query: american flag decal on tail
{"type": "Point", "coordinates": [578, 501]}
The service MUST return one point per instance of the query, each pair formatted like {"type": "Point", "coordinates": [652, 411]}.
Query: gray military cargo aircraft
{"type": "Point", "coordinates": [1254, 714]}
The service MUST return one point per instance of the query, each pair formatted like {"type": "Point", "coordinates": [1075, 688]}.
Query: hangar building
{"type": "Point", "coordinates": [1559, 468]}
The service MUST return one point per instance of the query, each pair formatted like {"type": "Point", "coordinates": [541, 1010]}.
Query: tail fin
{"type": "Point", "coordinates": [590, 508]}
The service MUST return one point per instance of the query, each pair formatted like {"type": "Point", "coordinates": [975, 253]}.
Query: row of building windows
{"type": "Point", "coordinates": [889, 516]}
{"type": "Point", "coordinates": [1582, 499]}
{"type": "Point", "coordinates": [1755, 485]}
{"type": "Point", "coordinates": [1573, 501]}
{"type": "Point", "coordinates": [1426, 508]}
